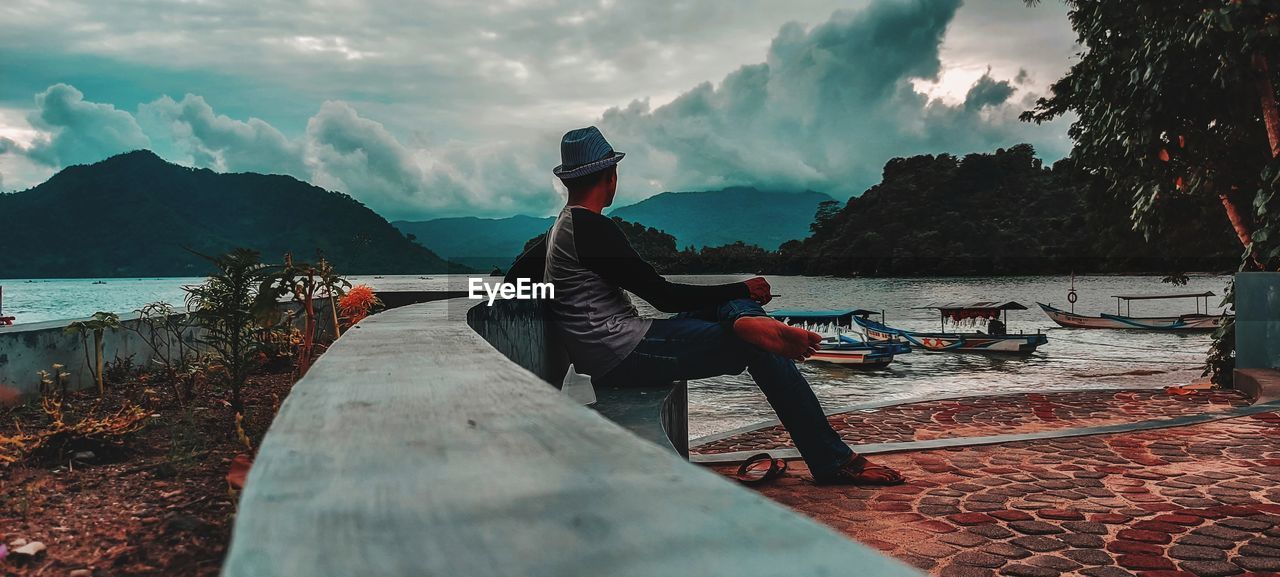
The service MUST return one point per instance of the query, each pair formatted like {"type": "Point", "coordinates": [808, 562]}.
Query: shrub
{"type": "Point", "coordinates": [227, 306]}
{"type": "Point", "coordinates": [97, 325]}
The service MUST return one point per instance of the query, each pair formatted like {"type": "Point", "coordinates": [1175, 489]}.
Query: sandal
{"type": "Point", "coordinates": [860, 471]}
{"type": "Point", "coordinates": [760, 468]}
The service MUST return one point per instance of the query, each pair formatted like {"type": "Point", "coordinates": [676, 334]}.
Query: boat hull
{"type": "Point", "coordinates": [850, 352]}
{"type": "Point", "coordinates": [860, 359]}
{"type": "Point", "coordinates": [1190, 322]}
{"type": "Point", "coordinates": [955, 342]}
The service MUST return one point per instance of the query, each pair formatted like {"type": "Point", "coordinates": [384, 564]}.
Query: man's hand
{"type": "Point", "coordinates": [759, 289]}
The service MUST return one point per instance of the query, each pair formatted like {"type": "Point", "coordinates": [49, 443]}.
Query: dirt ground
{"type": "Point", "coordinates": [158, 504]}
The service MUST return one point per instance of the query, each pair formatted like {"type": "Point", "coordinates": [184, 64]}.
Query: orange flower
{"type": "Point", "coordinates": [356, 304]}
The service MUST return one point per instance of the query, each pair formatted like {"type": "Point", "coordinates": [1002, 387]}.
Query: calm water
{"type": "Point", "coordinates": [36, 300]}
{"type": "Point", "coordinates": [1074, 358]}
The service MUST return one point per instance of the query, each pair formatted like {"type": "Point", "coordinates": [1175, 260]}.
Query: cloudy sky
{"type": "Point", "coordinates": [451, 107]}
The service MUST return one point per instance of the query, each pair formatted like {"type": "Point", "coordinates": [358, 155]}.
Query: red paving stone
{"type": "Point", "coordinates": [1200, 500]}
{"type": "Point", "coordinates": [994, 415]}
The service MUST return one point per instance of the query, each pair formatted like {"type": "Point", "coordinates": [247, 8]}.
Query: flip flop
{"type": "Point", "coordinates": [760, 468]}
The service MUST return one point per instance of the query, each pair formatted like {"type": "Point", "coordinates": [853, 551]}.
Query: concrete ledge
{"type": "Point", "coordinates": [413, 447]}
{"type": "Point", "coordinates": [1261, 385]}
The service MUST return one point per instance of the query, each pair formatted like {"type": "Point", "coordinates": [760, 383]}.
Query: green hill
{"type": "Point", "coordinates": [133, 214]}
{"type": "Point", "coordinates": [714, 218]}
{"type": "Point", "coordinates": [1004, 214]}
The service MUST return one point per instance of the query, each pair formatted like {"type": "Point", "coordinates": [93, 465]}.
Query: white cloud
{"type": "Point", "coordinates": [216, 141]}
{"type": "Point", "coordinates": [75, 131]}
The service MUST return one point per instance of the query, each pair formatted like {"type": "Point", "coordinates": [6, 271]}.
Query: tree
{"type": "Point", "coordinates": [227, 307]}
{"type": "Point", "coordinates": [96, 325]}
{"type": "Point", "coordinates": [827, 210]}
{"type": "Point", "coordinates": [1174, 100]}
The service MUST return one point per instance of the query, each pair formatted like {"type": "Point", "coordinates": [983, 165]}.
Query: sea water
{"type": "Point", "coordinates": [1073, 359]}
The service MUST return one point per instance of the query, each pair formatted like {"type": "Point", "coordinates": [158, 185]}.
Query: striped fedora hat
{"type": "Point", "coordinates": [584, 151]}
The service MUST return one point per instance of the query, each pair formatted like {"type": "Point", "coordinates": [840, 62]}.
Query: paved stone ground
{"type": "Point", "coordinates": [1200, 500]}
{"type": "Point", "coordinates": [993, 415]}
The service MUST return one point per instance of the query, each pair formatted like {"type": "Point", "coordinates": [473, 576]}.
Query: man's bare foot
{"type": "Point", "coordinates": [860, 471]}
{"type": "Point", "coordinates": [778, 338]}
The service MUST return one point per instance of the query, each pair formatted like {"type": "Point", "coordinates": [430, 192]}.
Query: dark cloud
{"type": "Point", "coordinates": [826, 109]}
{"type": "Point", "coordinates": [987, 91]}
{"type": "Point", "coordinates": [78, 131]}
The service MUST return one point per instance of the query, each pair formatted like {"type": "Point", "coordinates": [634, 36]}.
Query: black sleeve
{"type": "Point", "coordinates": [603, 248]}
{"type": "Point", "coordinates": [530, 264]}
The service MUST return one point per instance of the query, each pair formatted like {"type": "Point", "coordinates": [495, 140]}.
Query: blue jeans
{"type": "Point", "coordinates": [701, 344]}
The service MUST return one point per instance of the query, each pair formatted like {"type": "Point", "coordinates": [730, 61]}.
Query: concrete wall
{"type": "Point", "coordinates": [517, 329]}
{"type": "Point", "coordinates": [29, 348]}
{"type": "Point", "coordinates": [1257, 320]}
{"type": "Point", "coordinates": [414, 447]}
{"type": "Point", "coordinates": [26, 349]}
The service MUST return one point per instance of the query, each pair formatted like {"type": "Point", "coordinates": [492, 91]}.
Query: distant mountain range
{"type": "Point", "coordinates": [714, 218]}
{"type": "Point", "coordinates": [481, 243]}
{"type": "Point", "coordinates": [136, 215]}
{"type": "Point", "coordinates": [698, 219]}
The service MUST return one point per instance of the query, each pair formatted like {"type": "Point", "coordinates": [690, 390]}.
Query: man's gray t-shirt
{"type": "Point", "coordinates": [590, 262]}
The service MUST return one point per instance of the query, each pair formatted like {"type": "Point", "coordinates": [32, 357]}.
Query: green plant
{"type": "Point", "coordinates": [166, 332]}
{"type": "Point", "coordinates": [227, 306]}
{"type": "Point", "coordinates": [96, 325]}
{"type": "Point", "coordinates": [122, 370]}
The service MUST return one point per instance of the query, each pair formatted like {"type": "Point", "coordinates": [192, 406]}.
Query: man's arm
{"type": "Point", "coordinates": [605, 250]}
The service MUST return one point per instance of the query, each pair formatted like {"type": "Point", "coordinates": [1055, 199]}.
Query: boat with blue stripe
{"type": "Point", "coordinates": [1196, 321]}
{"type": "Point", "coordinates": [837, 347]}
{"type": "Point", "coordinates": [995, 340]}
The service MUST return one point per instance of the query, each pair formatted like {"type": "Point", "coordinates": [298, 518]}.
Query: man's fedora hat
{"type": "Point", "coordinates": [584, 151]}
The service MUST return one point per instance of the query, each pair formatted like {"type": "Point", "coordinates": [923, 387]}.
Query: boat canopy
{"type": "Point", "coordinates": [1164, 296]}
{"type": "Point", "coordinates": [977, 305]}
{"type": "Point", "coordinates": [963, 311]}
{"type": "Point", "coordinates": [1128, 300]}
{"type": "Point", "coordinates": [821, 316]}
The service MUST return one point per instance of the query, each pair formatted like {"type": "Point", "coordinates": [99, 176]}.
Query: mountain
{"type": "Point", "coordinates": [133, 214]}
{"type": "Point", "coordinates": [699, 219]}
{"type": "Point", "coordinates": [482, 243]}
{"type": "Point", "coordinates": [720, 217]}
{"type": "Point", "coordinates": [1004, 213]}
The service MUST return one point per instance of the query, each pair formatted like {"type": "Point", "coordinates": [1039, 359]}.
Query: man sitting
{"type": "Point", "coordinates": [721, 329]}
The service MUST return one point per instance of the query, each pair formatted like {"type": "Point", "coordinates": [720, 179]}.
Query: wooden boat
{"type": "Point", "coordinates": [839, 348]}
{"type": "Point", "coordinates": [1186, 322]}
{"type": "Point", "coordinates": [961, 342]}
